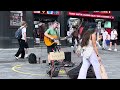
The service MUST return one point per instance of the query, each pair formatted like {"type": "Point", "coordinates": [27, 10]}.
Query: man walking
{"type": "Point", "coordinates": [113, 39]}
{"type": "Point", "coordinates": [105, 37]}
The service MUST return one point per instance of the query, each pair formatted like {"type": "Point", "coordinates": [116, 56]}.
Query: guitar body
{"type": "Point", "coordinates": [48, 41]}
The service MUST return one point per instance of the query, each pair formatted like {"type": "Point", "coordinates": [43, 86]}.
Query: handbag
{"type": "Point", "coordinates": [103, 72]}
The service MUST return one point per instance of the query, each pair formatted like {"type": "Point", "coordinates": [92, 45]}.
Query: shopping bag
{"type": "Point", "coordinates": [103, 72]}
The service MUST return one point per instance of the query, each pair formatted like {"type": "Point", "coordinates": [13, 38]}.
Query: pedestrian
{"type": "Point", "coordinates": [22, 41]}
{"type": "Point", "coordinates": [75, 38]}
{"type": "Point", "coordinates": [90, 54]}
{"type": "Point", "coordinates": [98, 41]}
{"type": "Point", "coordinates": [74, 35]}
{"type": "Point", "coordinates": [113, 39]}
{"type": "Point", "coordinates": [105, 37]}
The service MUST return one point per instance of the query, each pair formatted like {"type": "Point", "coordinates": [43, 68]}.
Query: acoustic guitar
{"type": "Point", "coordinates": [49, 42]}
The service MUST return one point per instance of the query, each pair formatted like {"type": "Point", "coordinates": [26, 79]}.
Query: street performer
{"type": "Point", "coordinates": [51, 34]}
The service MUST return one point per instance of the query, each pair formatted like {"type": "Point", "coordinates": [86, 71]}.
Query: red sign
{"type": "Point", "coordinates": [90, 15]}
{"type": "Point", "coordinates": [102, 12]}
{"type": "Point", "coordinates": [47, 12]}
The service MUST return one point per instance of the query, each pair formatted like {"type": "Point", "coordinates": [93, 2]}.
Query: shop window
{"type": "Point", "coordinates": [15, 18]}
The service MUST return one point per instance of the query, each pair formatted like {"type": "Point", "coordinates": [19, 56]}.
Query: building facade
{"type": "Point", "coordinates": [10, 21]}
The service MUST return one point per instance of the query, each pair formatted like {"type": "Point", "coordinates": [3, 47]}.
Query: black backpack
{"type": "Point", "coordinates": [32, 58]}
{"type": "Point", "coordinates": [18, 33]}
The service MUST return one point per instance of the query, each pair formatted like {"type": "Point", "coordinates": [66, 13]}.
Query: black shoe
{"type": "Point", "coordinates": [73, 51]}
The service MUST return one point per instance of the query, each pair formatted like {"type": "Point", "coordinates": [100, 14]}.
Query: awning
{"type": "Point", "coordinates": [90, 15]}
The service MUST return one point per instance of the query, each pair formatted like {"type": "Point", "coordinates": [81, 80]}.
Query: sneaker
{"type": "Point", "coordinates": [103, 48]}
{"type": "Point", "coordinates": [19, 56]}
{"type": "Point", "coordinates": [115, 49]}
{"type": "Point", "coordinates": [73, 51]}
{"type": "Point", "coordinates": [109, 49]}
{"type": "Point", "coordinates": [16, 57]}
{"type": "Point", "coordinates": [26, 56]}
{"type": "Point", "coordinates": [72, 46]}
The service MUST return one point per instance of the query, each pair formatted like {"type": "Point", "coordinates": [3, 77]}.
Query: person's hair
{"type": "Point", "coordinates": [23, 23]}
{"type": "Point", "coordinates": [55, 22]}
{"type": "Point", "coordinates": [86, 26]}
{"type": "Point", "coordinates": [86, 36]}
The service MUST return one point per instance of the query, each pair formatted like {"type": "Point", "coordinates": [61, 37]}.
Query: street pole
{"type": "Point", "coordinates": [62, 19]}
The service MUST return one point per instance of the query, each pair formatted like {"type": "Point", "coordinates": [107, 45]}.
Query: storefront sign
{"type": "Point", "coordinates": [90, 15]}
{"type": "Point", "coordinates": [102, 12]}
{"type": "Point", "coordinates": [47, 12]}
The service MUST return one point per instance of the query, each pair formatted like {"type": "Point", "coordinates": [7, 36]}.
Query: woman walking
{"type": "Point", "coordinates": [90, 54]}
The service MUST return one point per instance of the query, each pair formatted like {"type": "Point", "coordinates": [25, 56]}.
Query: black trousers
{"type": "Point", "coordinates": [73, 40]}
{"type": "Point", "coordinates": [21, 48]}
{"type": "Point", "coordinates": [51, 48]}
{"type": "Point", "coordinates": [19, 42]}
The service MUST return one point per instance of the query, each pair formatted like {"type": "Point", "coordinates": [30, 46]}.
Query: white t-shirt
{"type": "Point", "coordinates": [71, 31]}
{"type": "Point", "coordinates": [105, 33]}
{"type": "Point", "coordinates": [102, 30]}
{"type": "Point", "coordinates": [68, 33]}
{"type": "Point", "coordinates": [113, 34]}
{"type": "Point", "coordinates": [108, 36]}
{"type": "Point", "coordinates": [23, 31]}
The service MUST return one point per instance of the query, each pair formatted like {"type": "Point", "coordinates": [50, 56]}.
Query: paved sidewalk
{"type": "Point", "coordinates": [13, 69]}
